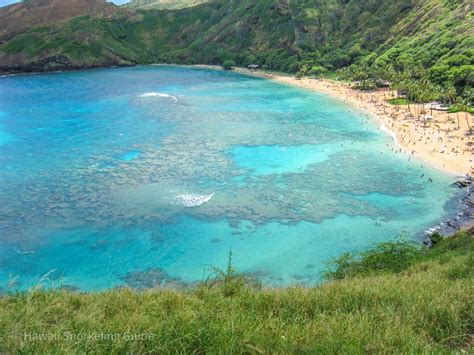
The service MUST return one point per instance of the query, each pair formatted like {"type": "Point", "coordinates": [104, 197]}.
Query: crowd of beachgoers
{"type": "Point", "coordinates": [438, 137]}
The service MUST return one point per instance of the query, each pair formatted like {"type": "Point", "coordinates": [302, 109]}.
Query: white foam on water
{"type": "Point", "coordinates": [389, 132]}
{"type": "Point", "coordinates": [24, 252]}
{"type": "Point", "coordinates": [158, 94]}
{"type": "Point", "coordinates": [192, 200]}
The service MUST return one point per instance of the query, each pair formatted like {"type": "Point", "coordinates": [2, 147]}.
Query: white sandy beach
{"type": "Point", "coordinates": [439, 141]}
{"type": "Point", "coordinates": [444, 142]}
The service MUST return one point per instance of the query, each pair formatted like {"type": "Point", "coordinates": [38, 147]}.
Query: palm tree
{"type": "Point", "coordinates": [383, 74]}
{"type": "Point", "coordinates": [302, 72]}
{"type": "Point", "coordinates": [449, 92]}
{"type": "Point", "coordinates": [448, 95]}
{"type": "Point", "coordinates": [395, 84]}
{"type": "Point", "coordinates": [464, 106]}
{"type": "Point", "coordinates": [405, 86]}
{"type": "Point", "coordinates": [456, 104]}
{"type": "Point", "coordinates": [433, 93]}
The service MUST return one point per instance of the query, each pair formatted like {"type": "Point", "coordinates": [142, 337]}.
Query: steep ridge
{"type": "Point", "coordinates": [17, 18]}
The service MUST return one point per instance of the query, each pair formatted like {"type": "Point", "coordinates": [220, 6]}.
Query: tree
{"type": "Point", "coordinates": [440, 74]}
{"type": "Point", "coordinates": [318, 70]}
{"type": "Point", "coordinates": [228, 64]}
{"type": "Point", "coordinates": [448, 93]}
{"type": "Point", "coordinates": [302, 72]}
{"type": "Point", "coordinates": [465, 102]}
{"type": "Point", "coordinates": [463, 77]}
{"type": "Point", "coordinates": [456, 105]}
{"type": "Point", "coordinates": [469, 95]}
{"type": "Point", "coordinates": [433, 93]}
{"type": "Point", "coordinates": [464, 106]}
{"type": "Point", "coordinates": [457, 60]}
{"type": "Point", "coordinates": [394, 79]}
{"type": "Point", "coordinates": [340, 59]}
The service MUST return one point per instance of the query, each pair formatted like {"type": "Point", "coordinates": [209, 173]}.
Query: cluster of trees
{"type": "Point", "coordinates": [228, 64]}
{"type": "Point", "coordinates": [450, 83]}
{"type": "Point", "coordinates": [316, 70]}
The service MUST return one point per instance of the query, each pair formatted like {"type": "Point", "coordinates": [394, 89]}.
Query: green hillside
{"type": "Point", "coordinates": [396, 298]}
{"type": "Point", "coordinates": [163, 4]}
{"type": "Point", "coordinates": [281, 35]}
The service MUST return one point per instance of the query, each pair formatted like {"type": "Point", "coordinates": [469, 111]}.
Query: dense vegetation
{"type": "Point", "coordinates": [449, 84]}
{"type": "Point", "coordinates": [163, 4]}
{"type": "Point", "coordinates": [394, 298]}
{"type": "Point", "coordinates": [434, 36]}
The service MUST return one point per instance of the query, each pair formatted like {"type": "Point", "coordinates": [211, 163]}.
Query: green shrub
{"type": "Point", "coordinates": [395, 257]}
{"type": "Point", "coordinates": [228, 281]}
{"type": "Point", "coordinates": [399, 101]}
{"type": "Point", "coordinates": [318, 70]}
{"type": "Point", "coordinates": [228, 64]}
{"type": "Point", "coordinates": [390, 257]}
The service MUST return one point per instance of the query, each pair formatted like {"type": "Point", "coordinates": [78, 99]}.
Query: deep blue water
{"type": "Point", "coordinates": [152, 174]}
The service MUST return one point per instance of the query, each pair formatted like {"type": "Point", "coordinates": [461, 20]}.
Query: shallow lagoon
{"type": "Point", "coordinates": [150, 175]}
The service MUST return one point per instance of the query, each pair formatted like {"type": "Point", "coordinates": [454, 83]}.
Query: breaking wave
{"type": "Point", "coordinates": [384, 128]}
{"type": "Point", "coordinates": [159, 94]}
{"type": "Point", "coordinates": [192, 200]}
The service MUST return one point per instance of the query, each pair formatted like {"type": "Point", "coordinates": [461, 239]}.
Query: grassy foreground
{"type": "Point", "coordinates": [395, 298]}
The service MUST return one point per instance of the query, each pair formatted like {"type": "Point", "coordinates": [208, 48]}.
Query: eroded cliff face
{"type": "Point", "coordinates": [17, 18]}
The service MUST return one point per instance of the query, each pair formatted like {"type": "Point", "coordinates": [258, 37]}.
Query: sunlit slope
{"type": "Point", "coordinates": [277, 34]}
{"type": "Point", "coordinates": [163, 4]}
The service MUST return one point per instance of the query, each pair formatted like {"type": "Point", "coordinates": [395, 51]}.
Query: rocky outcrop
{"type": "Point", "coordinates": [11, 64]}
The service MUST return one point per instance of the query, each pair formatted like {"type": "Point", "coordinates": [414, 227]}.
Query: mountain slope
{"type": "Point", "coordinates": [19, 17]}
{"type": "Point", "coordinates": [163, 4]}
{"type": "Point", "coordinates": [278, 34]}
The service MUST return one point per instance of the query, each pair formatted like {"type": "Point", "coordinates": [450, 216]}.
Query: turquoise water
{"type": "Point", "coordinates": [150, 175]}
{"type": "Point", "coordinates": [280, 159]}
{"type": "Point", "coordinates": [129, 156]}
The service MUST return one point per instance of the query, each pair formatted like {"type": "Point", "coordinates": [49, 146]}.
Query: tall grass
{"type": "Point", "coordinates": [424, 306]}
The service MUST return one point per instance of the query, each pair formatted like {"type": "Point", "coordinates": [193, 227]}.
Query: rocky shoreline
{"type": "Point", "coordinates": [464, 218]}
{"type": "Point", "coordinates": [53, 64]}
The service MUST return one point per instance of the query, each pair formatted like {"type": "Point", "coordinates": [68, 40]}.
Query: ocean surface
{"type": "Point", "coordinates": [151, 175]}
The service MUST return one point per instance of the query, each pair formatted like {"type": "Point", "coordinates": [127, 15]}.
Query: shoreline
{"type": "Point", "coordinates": [406, 133]}
{"type": "Point", "coordinates": [439, 143]}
